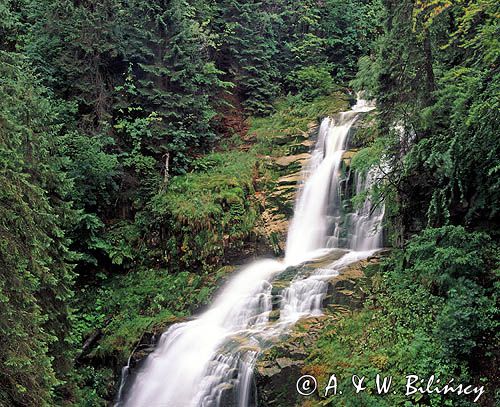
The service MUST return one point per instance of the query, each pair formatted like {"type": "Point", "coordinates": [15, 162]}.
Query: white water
{"type": "Point", "coordinates": [308, 230]}
{"type": "Point", "coordinates": [209, 360]}
{"type": "Point", "coordinates": [186, 369]}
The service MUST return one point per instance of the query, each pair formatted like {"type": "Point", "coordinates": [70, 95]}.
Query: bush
{"type": "Point", "coordinates": [465, 319]}
{"type": "Point", "coordinates": [312, 81]}
{"type": "Point", "coordinates": [202, 214]}
{"type": "Point", "coordinates": [441, 257]}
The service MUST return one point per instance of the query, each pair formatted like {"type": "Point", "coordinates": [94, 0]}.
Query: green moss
{"type": "Point", "coordinates": [292, 117]}
{"type": "Point", "coordinates": [209, 211]}
{"type": "Point", "coordinates": [203, 214]}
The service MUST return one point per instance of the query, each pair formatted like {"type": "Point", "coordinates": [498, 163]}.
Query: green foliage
{"type": "Point", "coordinates": [77, 48]}
{"type": "Point", "coordinates": [349, 27]}
{"type": "Point", "coordinates": [440, 258]}
{"type": "Point", "coordinates": [12, 23]}
{"type": "Point", "coordinates": [265, 46]}
{"type": "Point", "coordinates": [202, 214]}
{"type": "Point", "coordinates": [464, 155]}
{"type": "Point", "coordinates": [312, 82]}
{"type": "Point", "coordinates": [120, 243]}
{"type": "Point", "coordinates": [135, 134]}
{"type": "Point", "coordinates": [125, 307]}
{"type": "Point", "coordinates": [459, 266]}
{"type": "Point", "coordinates": [412, 326]}
{"type": "Point", "coordinates": [435, 309]}
{"type": "Point", "coordinates": [435, 79]}
{"type": "Point", "coordinates": [106, 159]}
{"type": "Point", "coordinates": [366, 79]}
{"type": "Point", "coordinates": [174, 82]}
{"type": "Point", "coordinates": [92, 169]}
{"type": "Point", "coordinates": [94, 386]}
{"type": "Point", "coordinates": [246, 52]}
{"type": "Point", "coordinates": [293, 116]}
{"type": "Point", "coordinates": [466, 319]}
{"type": "Point", "coordinates": [36, 282]}
{"type": "Point", "coordinates": [329, 35]}
{"type": "Point", "coordinates": [123, 49]}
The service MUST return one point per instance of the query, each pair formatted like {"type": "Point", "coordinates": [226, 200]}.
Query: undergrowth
{"type": "Point", "coordinates": [293, 117]}
{"type": "Point", "coordinates": [432, 306]}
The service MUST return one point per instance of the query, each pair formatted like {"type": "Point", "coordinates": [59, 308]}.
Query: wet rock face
{"type": "Point", "coordinates": [280, 200]}
{"type": "Point", "coordinates": [344, 290]}
{"type": "Point", "coordinates": [358, 133]}
{"type": "Point", "coordinates": [278, 389]}
{"type": "Point", "coordinates": [279, 368]}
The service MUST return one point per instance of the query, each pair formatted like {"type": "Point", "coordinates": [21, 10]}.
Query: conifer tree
{"type": "Point", "coordinates": [173, 77]}
{"type": "Point", "coordinates": [77, 47]}
{"type": "Point", "coordinates": [36, 275]}
{"type": "Point", "coordinates": [247, 51]}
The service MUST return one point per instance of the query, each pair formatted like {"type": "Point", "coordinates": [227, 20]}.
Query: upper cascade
{"type": "Point", "coordinates": [315, 225]}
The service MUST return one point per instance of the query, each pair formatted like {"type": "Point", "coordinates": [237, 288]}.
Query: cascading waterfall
{"type": "Point", "coordinates": [209, 361]}
{"type": "Point", "coordinates": [321, 192]}
{"type": "Point", "coordinates": [304, 296]}
{"type": "Point", "coordinates": [189, 366]}
{"type": "Point", "coordinates": [366, 220]}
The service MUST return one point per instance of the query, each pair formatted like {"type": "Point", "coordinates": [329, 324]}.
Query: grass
{"type": "Point", "coordinates": [427, 314]}
{"type": "Point", "coordinates": [293, 116]}
{"type": "Point", "coordinates": [208, 211]}
{"type": "Point", "coordinates": [199, 199]}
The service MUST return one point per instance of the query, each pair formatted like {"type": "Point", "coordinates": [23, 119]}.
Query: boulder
{"type": "Point", "coordinates": [278, 368]}
{"type": "Point", "coordinates": [360, 134]}
{"type": "Point", "coordinates": [348, 155]}
{"type": "Point", "coordinates": [302, 147]}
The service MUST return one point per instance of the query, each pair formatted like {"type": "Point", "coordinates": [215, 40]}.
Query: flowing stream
{"type": "Point", "coordinates": [209, 361]}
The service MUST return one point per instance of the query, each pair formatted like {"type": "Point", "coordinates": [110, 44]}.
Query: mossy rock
{"type": "Point", "coordinates": [280, 366]}
{"type": "Point", "coordinates": [302, 147]}
{"type": "Point", "coordinates": [348, 156]}
{"type": "Point", "coordinates": [291, 163]}
{"type": "Point", "coordinates": [363, 131]}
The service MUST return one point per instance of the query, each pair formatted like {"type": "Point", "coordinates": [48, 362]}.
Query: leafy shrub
{"type": "Point", "coordinates": [126, 306]}
{"type": "Point", "coordinates": [439, 258]}
{"type": "Point", "coordinates": [467, 316]}
{"type": "Point", "coordinates": [312, 81]}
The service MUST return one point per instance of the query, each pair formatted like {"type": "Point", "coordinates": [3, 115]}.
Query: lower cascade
{"type": "Point", "coordinates": [209, 361]}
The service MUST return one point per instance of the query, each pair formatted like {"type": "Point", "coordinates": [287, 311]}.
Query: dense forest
{"type": "Point", "coordinates": [132, 137]}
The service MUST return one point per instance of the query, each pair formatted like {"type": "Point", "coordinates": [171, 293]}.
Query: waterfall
{"type": "Point", "coordinates": [309, 228]}
{"type": "Point", "coordinates": [188, 367]}
{"type": "Point", "coordinates": [209, 361]}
